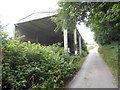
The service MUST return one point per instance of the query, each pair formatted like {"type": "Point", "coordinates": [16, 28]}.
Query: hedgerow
{"type": "Point", "coordinates": [32, 66]}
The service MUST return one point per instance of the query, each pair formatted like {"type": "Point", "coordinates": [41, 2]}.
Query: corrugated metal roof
{"type": "Point", "coordinates": [35, 16]}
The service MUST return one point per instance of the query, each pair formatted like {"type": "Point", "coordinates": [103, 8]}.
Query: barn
{"type": "Point", "coordinates": [38, 28]}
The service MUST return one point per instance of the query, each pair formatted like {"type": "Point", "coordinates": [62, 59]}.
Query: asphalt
{"type": "Point", "coordinates": [93, 74]}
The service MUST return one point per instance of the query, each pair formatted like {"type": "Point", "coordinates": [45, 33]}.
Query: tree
{"type": "Point", "coordinates": [3, 35]}
{"type": "Point", "coordinates": [102, 17]}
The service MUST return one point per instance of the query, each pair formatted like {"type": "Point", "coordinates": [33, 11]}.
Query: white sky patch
{"type": "Point", "coordinates": [13, 10]}
{"type": "Point", "coordinates": [16, 9]}
{"type": "Point", "coordinates": [86, 33]}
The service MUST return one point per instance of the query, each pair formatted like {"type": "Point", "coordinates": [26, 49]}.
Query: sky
{"type": "Point", "coordinates": [86, 33]}
{"type": "Point", "coordinates": [13, 10]}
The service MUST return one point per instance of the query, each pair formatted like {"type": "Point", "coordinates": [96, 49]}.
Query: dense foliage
{"type": "Point", "coordinates": [3, 37]}
{"type": "Point", "coordinates": [0, 56]}
{"type": "Point", "coordinates": [105, 22]}
{"type": "Point", "coordinates": [32, 66]}
{"type": "Point", "coordinates": [110, 55]}
{"type": "Point", "coordinates": [102, 17]}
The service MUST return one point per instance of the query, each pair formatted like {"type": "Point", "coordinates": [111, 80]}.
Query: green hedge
{"type": "Point", "coordinates": [33, 66]}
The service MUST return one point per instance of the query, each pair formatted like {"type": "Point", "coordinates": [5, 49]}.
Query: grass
{"type": "Point", "coordinates": [110, 55]}
{"type": "Point", "coordinates": [90, 47]}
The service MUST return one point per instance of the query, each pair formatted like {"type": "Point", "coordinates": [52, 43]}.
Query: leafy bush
{"type": "Point", "coordinates": [84, 46]}
{"type": "Point", "coordinates": [33, 66]}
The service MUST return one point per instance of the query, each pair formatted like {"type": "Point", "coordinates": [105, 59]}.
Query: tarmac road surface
{"type": "Point", "coordinates": [93, 74]}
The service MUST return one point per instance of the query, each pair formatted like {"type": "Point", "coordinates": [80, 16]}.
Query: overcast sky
{"type": "Point", "coordinates": [13, 10]}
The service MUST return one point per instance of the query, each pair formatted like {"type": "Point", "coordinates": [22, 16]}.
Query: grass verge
{"type": "Point", "coordinates": [90, 47]}
{"type": "Point", "coordinates": [110, 55]}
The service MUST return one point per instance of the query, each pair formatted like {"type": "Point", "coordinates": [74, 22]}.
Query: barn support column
{"type": "Point", "coordinates": [65, 33]}
{"type": "Point", "coordinates": [75, 40]}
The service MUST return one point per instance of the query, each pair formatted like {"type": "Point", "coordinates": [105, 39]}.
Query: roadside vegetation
{"type": "Point", "coordinates": [32, 66]}
{"type": "Point", "coordinates": [110, 55]}
{"type": "Point", "coordinates": [90, 47]}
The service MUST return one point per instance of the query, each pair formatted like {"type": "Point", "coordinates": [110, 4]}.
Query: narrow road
{"type": "Point", "coordinates": [93, 74]}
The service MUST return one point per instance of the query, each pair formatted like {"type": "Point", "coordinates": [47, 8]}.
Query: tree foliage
{"type": "Point", "coordinates": [3, 35]}
{"type": "Point", "coordinates": [102, 17]}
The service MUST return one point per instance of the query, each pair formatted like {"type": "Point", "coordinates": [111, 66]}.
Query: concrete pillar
{"type": "Point", "coordinates": [75, 40]}
{"type": "Point", "coordinates": [65, 33]}
{"type": "Point", "coordinates": [80, 48]}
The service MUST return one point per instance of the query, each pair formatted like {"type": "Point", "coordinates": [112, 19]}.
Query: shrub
{"type": "Point", "coordinates": [33, 66]}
